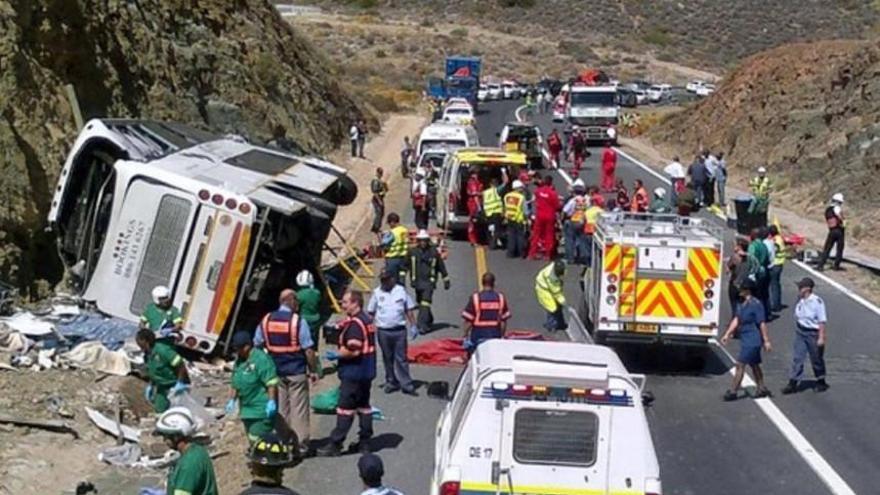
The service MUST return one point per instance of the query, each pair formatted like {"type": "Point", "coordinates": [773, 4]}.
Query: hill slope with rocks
{"type": "Point", "coordinates": [810, 113]}
{"type": "Point", "coordinates": [222, 65]}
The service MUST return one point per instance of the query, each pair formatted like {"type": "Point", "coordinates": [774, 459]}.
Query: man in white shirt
{"type": "Point", "coordinates": [392, 310]}
{"type": "Point", "coordinates": [676, 172]}
{"type": "Point", "coordinates": [353, 135]}
{"type": "Point", "coordinates": [712, 173]}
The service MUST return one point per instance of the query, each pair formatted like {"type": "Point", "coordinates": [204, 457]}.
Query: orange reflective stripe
{"type": "Point", "coordinates": [369, 331]}
{"type": "Point", "coordinates": [289, 328]}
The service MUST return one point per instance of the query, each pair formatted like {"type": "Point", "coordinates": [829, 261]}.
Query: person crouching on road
{"type": "Point", "coordinates": [515, 220]}
{"type": "Point", "coordinates": [392, 311]}
{"type": "Point", "coordinates": [485, 315]}
{"type": "Point", "coordinates": [371, 470]}
{"type": "Point", "coordinates": [809, 337]}
{"type": "Point", "coordinates": [165, 369]}
{"type": "Point", "coordinates": [254, 387]}
{"type": "Point", "coordinates": [193, 473]}
{"type": "Point", "coordinates": [286, 337]}
{"type": "Point", "coordinates": [161, 316]}
{"type": "Point", "coordinates": [357, 369]}
{"type": "Point", "coordinates": [267, 459]}
{"type": "Point", "coordinates": [425, 267]}
{"type": "Point", "coordinates": [751, 324]}
{"type": "Point", "coordinates": [548, 289]}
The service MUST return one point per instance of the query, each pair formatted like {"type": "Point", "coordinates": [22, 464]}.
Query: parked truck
{"type": "Point", "coordinates": [592, 106]}
{"type": "Point", "coordinates": [463, 77]}
{"type": "Point", "coordinates": [223, 223]}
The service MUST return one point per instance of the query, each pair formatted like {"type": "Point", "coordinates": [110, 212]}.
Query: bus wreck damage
{"type": "Point", "coordinates": [223, 223]}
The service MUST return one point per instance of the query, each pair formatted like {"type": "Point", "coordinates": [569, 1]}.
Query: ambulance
{"type": "Point", "coordinates": [653, 279]}
{"type": "Point", "coordinates": [545, 418]}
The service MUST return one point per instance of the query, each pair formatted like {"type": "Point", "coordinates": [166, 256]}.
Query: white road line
{"type": "Point", "coordinates": [645, 167]}
{"type": "Point", "coordinates": [801, 445]}
{"type": "Point", "coordinates": [516, 113]}
{"type": "Point", "coordinates": [837, 285]}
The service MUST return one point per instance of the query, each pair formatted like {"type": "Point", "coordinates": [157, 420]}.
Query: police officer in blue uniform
{"type": "Point", "coordinates": [357, 369]}
{"type": "Point", "coordinates": [809, 337]}
{"type": "Point", "coordinates": [485, 315]}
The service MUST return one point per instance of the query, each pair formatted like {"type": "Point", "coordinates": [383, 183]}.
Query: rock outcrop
{"type": "Point", "coordinates": [810, 113]}
{"type": "Point", "coordinates": [223, 65]}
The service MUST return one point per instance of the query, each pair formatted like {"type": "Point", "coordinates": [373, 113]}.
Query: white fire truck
{"type": "Point", "coordinates": [653, 279]}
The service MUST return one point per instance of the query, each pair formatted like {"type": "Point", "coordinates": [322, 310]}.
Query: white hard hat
{"type": "Point", "coordinates": [160, 292]}
{"type": "Point", "coordinates": [423, 235]}
{"type": "Point", "coordinates": [577, 183]}
{"type": "Point", "coordinates": [762, 170]}
{"type": "Point", "coordinates": [517, 184]}
{"type": "Point", "coordinates": [176, 421]}
{"type": "Point", "coordinates": [838, 197]}
{"type": "Point", "coordinates": [660, 192]}
{"type": "Point", "coordinates": [304, 279]}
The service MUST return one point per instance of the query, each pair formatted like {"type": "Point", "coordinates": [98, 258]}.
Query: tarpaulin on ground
{"type": "Point", "coordinates": [112, 332]}
{"type": "Point", "coordinates": [450, 352]}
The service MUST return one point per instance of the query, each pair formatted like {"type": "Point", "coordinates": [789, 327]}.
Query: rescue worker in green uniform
{"type": "Point", "coordinates": [160, 315]}
{"type": "Point", "coordinates": [193, 473]}
{"type": "Point", "coordinates": [165, 369]}
{"type": "Point", "coordinates": [309, 299]}
{"type": "Point", "coordinates": [659, 203]}
{"type": "Point", "coordinates": [254, 387]}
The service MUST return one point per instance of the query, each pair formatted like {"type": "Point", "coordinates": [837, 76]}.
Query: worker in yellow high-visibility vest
{"type": "Point", "coordinates": [515, 220]}
{"type": "Point", "coordinates": [776, 264]}
{"type": "Point", "coordinates": [548, 290]}
{"type": "Point", "coordinates": [493, 209]}
{"type": "Point", "coordinates": [591, 219]}
{"type": "Point", "coordinates": [396, 244]}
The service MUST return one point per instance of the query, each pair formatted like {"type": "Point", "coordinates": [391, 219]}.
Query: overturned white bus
{"type": "Point", "coordinates": [224, 223]}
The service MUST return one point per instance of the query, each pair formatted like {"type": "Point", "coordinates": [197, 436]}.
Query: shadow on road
{"type": "Point", "coordinates": [385, 441]}
{"type": "Point", "coordinates": [660, 360]}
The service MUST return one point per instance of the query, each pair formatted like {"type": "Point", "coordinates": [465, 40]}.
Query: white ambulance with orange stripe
{"type": "Point", "coordinates": [225, 224]}
{"type": "Point", "coordinates": [653, 279]}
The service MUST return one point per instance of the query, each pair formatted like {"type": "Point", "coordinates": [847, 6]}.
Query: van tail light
{"type": "Point", "coordinates": [450, 488]}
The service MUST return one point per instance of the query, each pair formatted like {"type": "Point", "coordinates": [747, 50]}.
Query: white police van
{"type": "Point", "coordinates": [545, 418]}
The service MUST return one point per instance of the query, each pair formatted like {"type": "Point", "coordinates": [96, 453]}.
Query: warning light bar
{"type": "Point", "coordinates": [597, 396]}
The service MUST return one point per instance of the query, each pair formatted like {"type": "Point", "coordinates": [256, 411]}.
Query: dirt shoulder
{"type": "Point", "coordinates": [861, 280]}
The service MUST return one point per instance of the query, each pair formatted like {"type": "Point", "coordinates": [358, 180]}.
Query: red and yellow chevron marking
{"type": "Point", "coordinates": [627, 296]}
{"type": "Point", "coordinates": [677, 298]}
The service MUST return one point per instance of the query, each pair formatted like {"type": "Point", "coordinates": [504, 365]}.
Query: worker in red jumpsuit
{"type": "Point", "coordinates": [640, 198]}
{"type": "Point", "coordinates": [578, 146]}
{"type": "Point", "coordinates": [474, 191]}
{"type": "Point", "coordinates": [554, 146]}
{"type": "Point", "coordinates": [622, 202]}
{"type": "Point", "coordinates": [547, 205]}
{"type": "Point", "coordinates": [609, 163]}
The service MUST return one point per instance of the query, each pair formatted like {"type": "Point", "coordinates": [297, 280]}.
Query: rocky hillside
{"type": "Point", "coordinates": [811, 113]}
{"type": "Point", "coordinates": [708, 34]}
{"type": "Point", "coordinates": [223, 65]}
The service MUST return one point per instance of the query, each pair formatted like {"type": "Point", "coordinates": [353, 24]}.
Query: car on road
{"type": "Point", "coordinates": [692, 86]}
{"type": "Point", "coordinates": [488, 163]}
{"type": "Point", "coordinates": [525, 137]}
{"type": "Point", "coordinates": [483, 92]}
{"type": "Point", "coordinates": [458, 101]}
{"type": "Point", "coordinates": [459, 114]}
{"type": "Point", "coordinates": [540, 417]}
{"type": "Point", "coordinates": [559, 109]}
{"type": "Point", "coordinates": [495, 91]}
{"type": "Point", "coordinates": [705, 90]}
{"type": "Point", "coordinates": [447, 135]}
{"type": "Point", "coordinates": [509, 90]}
{"type": "Point", "coordinates": [641, 96]}
{"type": "Point", "coordinates": [659, 92]}
{"type": "Point", "coordinates": [627, 97]}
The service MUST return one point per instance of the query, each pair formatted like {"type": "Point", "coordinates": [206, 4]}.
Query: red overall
{"type": "Point", "coordinates": [609, 163]}
{"type": "Point", "coordinates": [543, 240]}
{"type": "Point", "coordinates": [474, 194]}
{"type": "Point", "coordinates": [554, 146]}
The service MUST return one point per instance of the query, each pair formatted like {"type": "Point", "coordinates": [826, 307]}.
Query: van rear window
{"type": "Point", "coordinates": [552, 436]}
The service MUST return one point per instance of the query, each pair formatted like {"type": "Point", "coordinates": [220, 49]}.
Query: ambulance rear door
{"type": "Point", "coordinates": [553, 446]}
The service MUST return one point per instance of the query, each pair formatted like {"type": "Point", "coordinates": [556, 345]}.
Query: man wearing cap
{"type": "Point", "coordinates": [286, 337]}
{"type": "Point", "coordinates": [371, 470]}
{"type": "Point", "coordinates": [836, 225]}
{"type": "Point", "coordinates": [809, 337]}
{"type": "Point", "coordinates": [425, 267]}
{"type": "Point", "coordinates": [160, 315]}
{"type": "Point", "coordinates": [392, 311]}
{"type": "Point", "coordinates": [254, 387]}
{"type": "Point", "coordinates": [515, 220]}
{"type": "Point", "coordinates": [761, 187]}
{"type": "Point", "coordinates": [485, 314]}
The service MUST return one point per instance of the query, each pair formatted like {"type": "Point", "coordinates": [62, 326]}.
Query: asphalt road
{"type": "Point", "coordinates": [705, 446]}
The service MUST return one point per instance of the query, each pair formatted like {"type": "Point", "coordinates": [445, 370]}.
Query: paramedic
{"type": "Point", "coordinates": [548, 289]}
{"type": "Point", "coordinates": [193, 473]}
{"type": "Point", "coordinates": [254, 387]}
{"type": "Point", "coordinates": [165, 369]}
{"type": "Point", "coordinates": [160, 315]}
{"type": "Point", "coordinates": [485, 314]}
{"type": "Point", "coordinates": [543, 239]}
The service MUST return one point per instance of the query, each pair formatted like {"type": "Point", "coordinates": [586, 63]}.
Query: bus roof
{"type": "Point", "coordinates": [490, 156]}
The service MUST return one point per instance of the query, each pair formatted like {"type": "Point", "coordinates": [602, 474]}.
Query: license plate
{"type": "Point", "coordinates": [641, 327]}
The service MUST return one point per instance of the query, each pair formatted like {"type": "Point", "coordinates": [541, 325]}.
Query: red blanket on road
{"type": "Point", "coordinates": [449, 352]}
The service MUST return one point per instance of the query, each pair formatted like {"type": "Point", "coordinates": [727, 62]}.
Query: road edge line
{"type": "Point", "coordinates": [832, 480]}
{"type": "Point", "coordinates": [647, 168]}
{"type": "Point", "coordinates": [837, 285]}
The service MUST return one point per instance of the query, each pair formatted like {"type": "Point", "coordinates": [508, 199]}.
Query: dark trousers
{"type": "Point", "coordinates": [360, 145]}
{"type": "Point", "coordinates": [424, 298]}
{"type": "Point", "coordinates": [421, 218]}
{"type": "Point", "coordinates": [392, 341]}
{"type": "Point", "coordinates": [354, 148]}
{"type": "Point", "coordinates": [516, 240]}
{"type": "Point", "coordinates": [763, 293]}
{"type": "Point", "coordinates": [835, 236]}
{"type": "Point", "coordinates": [354, 399]}
{"type": "Point", "coordinates": [806, 343]}
{"type": "Point", "coordinates": [709, 192]}
{"type": "Point", "coordinates": [378, 215]}
{"type": "Point", "coordinates": [776, 288]}
{"type": "Point", "coordinates": [397, 267]}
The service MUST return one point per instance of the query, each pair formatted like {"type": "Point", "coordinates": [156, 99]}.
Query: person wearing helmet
{"type": "Point", "coordinates": [658, 202]}
{"type": "Point", "coordinates": [836, 230]}
{"type": "Point", "coordinates": [751, 324]}
{"type": "Point", "coordinates": [515, 220]}
{"type": "Point", "coordinates": [165, 369]}
{"type": "Point", "coordinates": [761, 187]}
{"type": "Point", "coordinates": [426, 266]}
{"type": "Point", "coordinates": [309, 299]}
{"type": "Point", "coordinates": [193, 473]}
{"type": "Point", "coordinates": [573, 225]}
{"type": "Point", "coordinates": [267, 459]}
{"type": "Point", "coordinates": [160, 315]}
{"type": "Point", "coordinates": [285, 336]}
{"type": "Point", "coordinates": [254, 387]}
{"type": "Point", "coordinates": [548, 289]}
